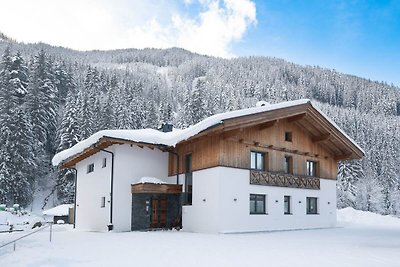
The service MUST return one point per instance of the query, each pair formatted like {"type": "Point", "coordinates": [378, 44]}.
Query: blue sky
{"type": "Point", "coordinates": [355, 37]}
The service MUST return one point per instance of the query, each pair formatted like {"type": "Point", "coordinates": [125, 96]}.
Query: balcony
{"type": "Point", "coordinates": [283, 180]}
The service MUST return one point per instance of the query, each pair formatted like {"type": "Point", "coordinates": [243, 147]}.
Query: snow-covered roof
{"type": "Point", "coordinates": [149, 180]}
{"type": "Point", "coordinates": [156, 137]}
{"type": "Point", "coordinates": [60, 210]}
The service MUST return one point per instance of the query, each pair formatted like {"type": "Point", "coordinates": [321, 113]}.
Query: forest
{"type": "Point", "coordinates": [53, 97]}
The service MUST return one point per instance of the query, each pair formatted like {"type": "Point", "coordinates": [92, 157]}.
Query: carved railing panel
{"type": "Point", "coordinates": [283, 180]}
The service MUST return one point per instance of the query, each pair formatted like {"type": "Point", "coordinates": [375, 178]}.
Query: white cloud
{"type": "Point", "coordinates": [102, 24]}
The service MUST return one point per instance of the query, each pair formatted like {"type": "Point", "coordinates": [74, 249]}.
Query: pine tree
{"type": "Point", "coordinates": [17, 159]}
{"type": "Point", "coordinates": [165, 112]}
{"type": "Point", "coordinates": [42, 104]}
{"type": "Point", "coordinates": [68, 136]}
{"type": "Point", "coordinates": [349, 173]}
{"type": "Point", "coordinates": [85, 115]}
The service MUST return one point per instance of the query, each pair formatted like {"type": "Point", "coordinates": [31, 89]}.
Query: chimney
{"type": "Point", "coordinates": [166, 127]}
{"type": "Point", "coordinates": [262, 103]}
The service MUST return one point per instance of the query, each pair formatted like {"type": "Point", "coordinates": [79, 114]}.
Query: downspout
{"type": "Point", "coordinates": [76, 188]}
{"type": "Point", "coordinates": [110, 225]}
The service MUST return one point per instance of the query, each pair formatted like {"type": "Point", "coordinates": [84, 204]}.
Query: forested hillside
{"type": "Point", "coordinates": [52, 97]}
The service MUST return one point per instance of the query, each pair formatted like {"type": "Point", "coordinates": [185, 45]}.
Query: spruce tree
{"type": "Point", "coordinates": [17, 158]}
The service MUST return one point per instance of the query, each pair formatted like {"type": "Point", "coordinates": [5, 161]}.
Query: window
{"type": "Point", "coordinates": [90, 168]}
{"type": "Point", "coordinates": [104, 164]}
{"type": "Point", "coordinates": [103, 202]}
{"type": "Point", "coordinates": [188, 180]}
{"type": "Point", "coordinates": [288, 136]}
{"type": "Point", "coordinates": [312, 205]}
{"type": "Point", "coordinates": [257, 204]}
{"type": "Point", "coordinates": [288, 165]}
{"type": "Point", "coordinates": [312, 168]}
{"type": "Point", "coordinates": [257, 161]}
{"type": "Point", "coordinates": [286, 205]}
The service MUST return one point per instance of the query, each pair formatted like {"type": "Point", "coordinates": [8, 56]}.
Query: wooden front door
{"type": "Point", "coordinates": [158, 212]}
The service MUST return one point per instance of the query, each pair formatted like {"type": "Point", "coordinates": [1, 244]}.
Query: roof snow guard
{"type": "Point", "coordinates": [216, 123]}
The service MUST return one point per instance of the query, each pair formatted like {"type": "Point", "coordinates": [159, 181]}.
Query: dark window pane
{"type": "Point", "coordinates": [188, 180]}
{"type": "Point", "coordinates": [287, 204]}
{"type": "Point", "coordinates": [104, 163]}
{"type": "Point", "coordinates": [90, 168]}
{"type": "Point", "coordinates": [312, 207]}
{"type": "Point", "coordinates": [288, 136]}
{"type": "Point", "coordinates": [257, 204]}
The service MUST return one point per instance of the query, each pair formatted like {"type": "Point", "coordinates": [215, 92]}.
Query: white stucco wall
{"type": "Point", "coordinates": [214, 209]}
{"type": "Point", "coordinates": [220, 213]}
{"type": "Point", "coordinates": [91, 187]}
{"type": "Point", "coordinates": [130, 164]}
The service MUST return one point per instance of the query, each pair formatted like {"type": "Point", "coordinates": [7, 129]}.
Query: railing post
{"type": "Point", "coordinates": [51, 230]}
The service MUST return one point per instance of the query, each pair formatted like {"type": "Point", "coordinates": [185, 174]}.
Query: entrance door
{"type": "Point", "coordinates": [159, 212]}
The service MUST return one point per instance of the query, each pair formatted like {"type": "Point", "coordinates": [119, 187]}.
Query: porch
{"type": "Point", "coordinates": [156, 206]}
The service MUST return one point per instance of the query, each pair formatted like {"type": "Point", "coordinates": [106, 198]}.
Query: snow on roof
{"type": "Point", "coordinates": [339, 129]}
{"type": "Point", "coordinates": [60, 210]}
{"type": "Point", "coordinates": [149, 180]}
{"type": "Point", "coordinates": [152, 136]}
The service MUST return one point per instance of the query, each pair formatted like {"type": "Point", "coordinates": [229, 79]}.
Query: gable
{"type": "Point", "coordinates": [320, 129]}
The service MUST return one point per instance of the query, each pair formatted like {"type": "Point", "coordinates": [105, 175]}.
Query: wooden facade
{"type": "Point", "coordinates": [230, 143]}
{"type": "Point", "coordinates": [146, 188]}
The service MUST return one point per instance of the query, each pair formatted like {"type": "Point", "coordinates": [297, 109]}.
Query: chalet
{"type": "Point", "coordinates": [271, 167]}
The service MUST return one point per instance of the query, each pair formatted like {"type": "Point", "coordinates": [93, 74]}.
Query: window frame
{"type": "Point", "coordinates": [310, 211]}
{"type": "Point", "coordinates": [103, 202]}
{"type": "Point", "coordinates": [188, 194]}
{"type": "Point", "coordinates": [288, 136]}
{"type": "Point", "coordinates": [289, 212]}
{"type": "Point", "coordinates": [90, 168]}
{"type": "Point", "coordinates": [104, 163]}
{"type": "Point", "coordinates": [264, 160]}
{"type": "Point", "coordinates": [315, 168]}
{"type": "Point", "coordinates": [288, 169]}
{"type": "Point", "coordinates": [258, 198]}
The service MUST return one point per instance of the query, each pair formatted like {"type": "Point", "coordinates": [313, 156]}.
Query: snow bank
{"type": "Point", "coordinates": [152, 136]}
{"type": "Point", "coordinates": [150, 180]}
{"type": "Point", "coordinates": [351, 216]}
{"type": "Point", "coordinates": [61, 210]}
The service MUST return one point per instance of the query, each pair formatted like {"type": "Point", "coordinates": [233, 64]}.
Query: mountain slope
{"type": "Point", "coordinates": [133, 88]}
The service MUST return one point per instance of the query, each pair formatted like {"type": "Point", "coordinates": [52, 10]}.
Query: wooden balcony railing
{"type": "Point", "coordinates": [283, 180]}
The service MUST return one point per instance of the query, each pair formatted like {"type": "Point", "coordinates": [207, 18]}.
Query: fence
{"type": "Point", "coordinates": [14, 242]}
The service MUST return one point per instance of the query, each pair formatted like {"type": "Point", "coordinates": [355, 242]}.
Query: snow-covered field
{"type": "Point", "coordinates": [361, 239]}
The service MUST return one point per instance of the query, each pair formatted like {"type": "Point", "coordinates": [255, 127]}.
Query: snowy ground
{"type": "Point", "coordinates": [19, 222]}
{"type": "Point", "coordinates": [361, 239]}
